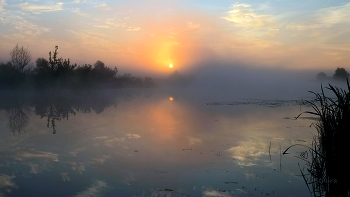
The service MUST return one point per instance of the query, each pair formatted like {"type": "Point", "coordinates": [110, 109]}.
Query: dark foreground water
{"type": "Point", "coordinates": [149, 143]}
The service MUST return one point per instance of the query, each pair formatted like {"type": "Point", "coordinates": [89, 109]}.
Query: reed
{"type": "Point", "coordinates": [328, 168]}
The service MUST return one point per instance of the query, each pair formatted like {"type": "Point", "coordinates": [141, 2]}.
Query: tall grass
{"type": "Point", "coordinates": [328, 170]}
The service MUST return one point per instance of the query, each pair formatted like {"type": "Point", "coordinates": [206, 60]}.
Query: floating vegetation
{"type": "Point", "coordinates": [259, 102]}
{"type": "Point", "coordinates": [327, 164]}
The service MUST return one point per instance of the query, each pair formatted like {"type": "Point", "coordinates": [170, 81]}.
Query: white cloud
{"type": "Point", "coordinates": [37, 9]}
{"type": "Point", "coordinates": [334, 15]}
{"type": "Point", "coordinates": [92, 38]}
{"type": "Point", "coordinates": [28, 28]}
{"type": "Point", "coordinates": [110, 23]}
{"type": "Point", "coordinates": [133, 29]}
{"type": "Point", "coordinates": [243, 15]}
{"type": "Point", "coordinates": [323, 19]}
{"type": "Point", "coordinates": [192, 26]}
{"type": "Point", "coordinates": [80, 1]}
{"type": "Point", "coordinates": [302, 26]}
{"type": "Point", "coordinates": [249, 22]}
{"type": "Point", "coordinates": [2, 4]}
{"type": "Point", "coordinates": [103, 6]}
{"type": "Point", "coordinates": [77, 11]}
{"type": "Point", "coordinates": [19, 26]}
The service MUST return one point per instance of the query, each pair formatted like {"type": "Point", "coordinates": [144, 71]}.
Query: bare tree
{"type": "Point", "coordinates": [20, 57]}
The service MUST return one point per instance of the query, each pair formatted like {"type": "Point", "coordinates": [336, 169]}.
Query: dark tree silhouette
{"type": "Point", "coordinates": [127, 80]}
{"type": "Point", "coordinates": [10, 77]}
{"type": "Point", "coordinates": [20, 57]}
{"type": "Point", "coordinates": [60, 73]}
{"type": "Point", "coordinates": [84, 76]}
{"type": "Point", "coordinates": [148, 82]}
{"type": "Point", "coordinates": [103, 73]}
{"type": "Point", "coordinates": [58, 65]}
{"type": "Point", "coordinates": [340, 74]}
{"type": "Point", "coordinates": [61, 69]}
{"type": "Point", "coordinates": [321, 76]}
{"type": "Point", "coordinates": [42, 66]}
{"type": "Point", "coordinates": [99, 65]}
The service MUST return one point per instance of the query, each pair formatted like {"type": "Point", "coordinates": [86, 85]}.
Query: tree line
{"type": "Point", "coordinates": [339, 75]}
{"type": "Point", "coordinates": [57, 72]}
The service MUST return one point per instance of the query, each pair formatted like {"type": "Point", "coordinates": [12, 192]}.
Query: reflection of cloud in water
{"type": "Point", "coordinates": [96, 189]}
{"type": "Point", "coordinates": [33, 168]}
{"type": "Point", "coordinates": [65, 177]}
{"type": "Point", "coordinates": [117, 141]}
{"type": "Point", "coordinates": [129, 178]}
{"type": "Point", "coordinates": [193, 140]}
{"type": "Point", "coordinates": [75, 152]}
{"type": "Point", "coordinates": [77, 166]}
{"type": "Point", "coordinates": [114, 141]}
{"type": "Point", "coordinates": [214, 193]}
{"type": "Point", "coordinates": [101, 160]}
{"type": "Point", "coordinates": [248, 152]}
{"type": "Point", "coordinates": [134, 136]}
{"type": "Point", "coordinates": [6, 182]}
{"type": "Point", "coordinates": [37, 155]}
{"type": "Point", "coordinates": [101, 138]}
{"type": "Point", "coordinates": [250, 175]}
{"type": "Point", "coordinates": [158, 193]}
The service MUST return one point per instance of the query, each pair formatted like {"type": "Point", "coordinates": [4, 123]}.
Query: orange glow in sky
{"type": "Point", "coordinates": [148, 35]}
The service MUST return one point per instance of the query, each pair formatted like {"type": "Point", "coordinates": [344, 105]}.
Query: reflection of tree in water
{"type": "Point", "coordinates": [55, 108]}
{"type": "Point", "coordinates": [18, 117]}
{"type": "Point", "coordinates": [57, 105]}
{"type": "Point", "coordinates": [17, 109]}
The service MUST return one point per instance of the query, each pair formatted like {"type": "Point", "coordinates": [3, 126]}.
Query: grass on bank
{"type": "Point", "coordinates": [328, 167]}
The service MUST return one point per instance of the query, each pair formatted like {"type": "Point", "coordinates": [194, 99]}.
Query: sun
{"type": "Point", "coordinates": [171, 65]}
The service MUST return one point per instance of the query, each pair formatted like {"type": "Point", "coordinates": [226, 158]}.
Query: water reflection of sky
{"type": "Point", "coordinates": [156, 146]}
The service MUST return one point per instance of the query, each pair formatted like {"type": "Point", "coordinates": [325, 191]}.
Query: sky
{"type": "Point", "coordinates": [148, 35]}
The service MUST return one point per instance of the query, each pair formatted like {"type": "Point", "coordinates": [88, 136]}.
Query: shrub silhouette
{"type": "Point", "coordinates": [328, 169]}
{"type": "Point", "coordinates": [60, 73]}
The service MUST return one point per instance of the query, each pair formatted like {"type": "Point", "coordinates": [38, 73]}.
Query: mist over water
{"type": "Point", "coordinates": [136, 142]}
{"type": "Point", "coordinates": [217, 132]}
{"type": "Point", "coordinates": [235, 83]}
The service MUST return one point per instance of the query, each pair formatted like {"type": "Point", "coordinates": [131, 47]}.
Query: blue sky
{"type": "Point", "coordinates": [149, 35]}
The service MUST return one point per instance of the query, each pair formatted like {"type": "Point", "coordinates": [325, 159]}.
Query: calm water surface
{"type": "Point", "coordinates": [149, 143]}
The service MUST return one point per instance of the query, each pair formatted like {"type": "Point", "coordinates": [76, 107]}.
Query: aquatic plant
{"type": "Point", "coordinates": [328, 167]}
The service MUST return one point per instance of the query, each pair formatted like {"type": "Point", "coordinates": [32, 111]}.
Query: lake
{"type": "Point", "coordinates": [167, 142]}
